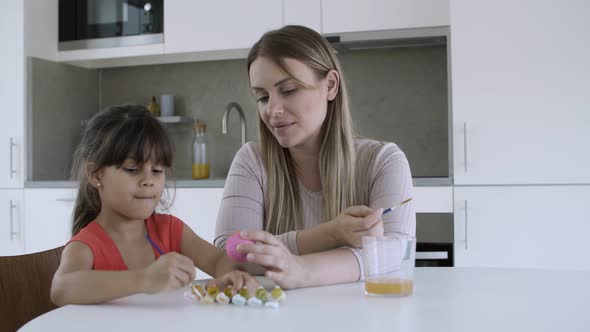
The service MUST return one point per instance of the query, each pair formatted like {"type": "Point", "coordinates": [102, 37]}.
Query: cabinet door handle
{"type": "Point", "coordinates": [466, 222]}
{"type": "Point", "coordinates": [465, 144]}
{"type": "Point", "coordinates": [12, 232]}
{"type": "Point", "coordinates": [12, 146]}
{"type": "Point", "coordinates": [432, 255]}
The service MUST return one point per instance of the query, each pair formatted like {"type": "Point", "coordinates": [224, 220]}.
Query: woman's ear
{"type": "Point", "coordinates": [92, 175]}
{"type": "Point", "coordinates": [333, 80]}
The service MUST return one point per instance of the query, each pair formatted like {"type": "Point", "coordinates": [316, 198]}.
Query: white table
{"type": "Point", "coordinates": [445, 299]}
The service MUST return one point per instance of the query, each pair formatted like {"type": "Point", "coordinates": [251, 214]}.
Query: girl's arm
{"type": "Point", "coordinates": [204, 255]}
{"type": "Point", "coordinates": [214, 261]}
{"type": "Point", "coordinates": [75, 282]}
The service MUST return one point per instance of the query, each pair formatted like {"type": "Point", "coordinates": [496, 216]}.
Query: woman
{"type": "Point", "coordinates": [309, 190]}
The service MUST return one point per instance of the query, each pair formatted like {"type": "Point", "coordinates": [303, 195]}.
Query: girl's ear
{"type": "Point", "coordinates": [92, 175]}
{"type": "Point", "coordinates": [333, 79]}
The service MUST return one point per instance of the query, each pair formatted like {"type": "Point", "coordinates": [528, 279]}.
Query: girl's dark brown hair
{"type": "Point", "coordinates": [110, 137]}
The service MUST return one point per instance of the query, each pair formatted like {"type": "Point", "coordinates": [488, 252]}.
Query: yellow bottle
{"type": "Point", "coordinates": [200, 159]}
{"type": "Point", "coordinates": [153, 107]}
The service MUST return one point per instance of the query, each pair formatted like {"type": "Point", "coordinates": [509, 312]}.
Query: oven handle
{"type": "Point", "coordinates": [432, 255]}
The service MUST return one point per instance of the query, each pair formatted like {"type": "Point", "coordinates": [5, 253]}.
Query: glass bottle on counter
{"type": "Point", "coordinates": [154, 107]}
{"type": "Point", "coordinates": [200, 158]}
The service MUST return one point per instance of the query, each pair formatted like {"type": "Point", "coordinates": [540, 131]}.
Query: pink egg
{"type": "Point", "coordinates": [232, 243]}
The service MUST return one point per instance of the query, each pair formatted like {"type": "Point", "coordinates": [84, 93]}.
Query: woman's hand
{"type": "Point", "coordinates": [348, 228]}
{"type": "Point", "coordinates": [238, 279]}
{"type": "Point", "coordinates": [284, 268]}
{"type": "Point", "coordinates": [170, 271]}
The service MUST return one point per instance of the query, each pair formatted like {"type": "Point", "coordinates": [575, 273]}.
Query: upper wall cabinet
{"type": "Point", "coordinates": [12, 95]}
{"type": "Point", "coordinates": [41, 28]}
{"type": "Point", "coordinates": [204, 30]}
{"type": "Point", "coordinates": [204, 25]}
{"type": "Point", "coordinates": [520, 92]}
{"type": "Point", "coordinates": [303, 12]}
{"type": "Point", "coordinates": [351, 15]}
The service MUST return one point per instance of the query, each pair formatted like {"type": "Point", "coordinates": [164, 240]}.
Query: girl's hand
{"type": "Point", "coordinates": [170, 271]}
{"type": "Point", "coordinates": [238, 279]}
{"type": "Point", "coordinates": [284, 268]}
{"type": "Point", "coordinates": [352, 224]}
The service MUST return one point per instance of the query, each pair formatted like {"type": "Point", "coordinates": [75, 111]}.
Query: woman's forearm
{"type": "Point", "coordinates": [88, 287]}
{"type": "Point", "coordinates": [317, 239]}
{"type": "Point", "coordinates": [330, 267]}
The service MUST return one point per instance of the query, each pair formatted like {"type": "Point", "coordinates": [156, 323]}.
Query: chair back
{"type": "Point", "coordinates": [25, 284]}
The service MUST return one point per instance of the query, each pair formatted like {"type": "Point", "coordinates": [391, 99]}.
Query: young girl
{"type": "Point", "coordinates": [120, 246]}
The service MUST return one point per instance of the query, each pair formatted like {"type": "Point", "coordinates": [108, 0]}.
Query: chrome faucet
{"type": "Point", "coordinates": [228, 108]}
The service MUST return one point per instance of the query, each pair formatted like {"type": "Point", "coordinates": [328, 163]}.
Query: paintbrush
{"type": "Point", "coordinates": [396, 206]}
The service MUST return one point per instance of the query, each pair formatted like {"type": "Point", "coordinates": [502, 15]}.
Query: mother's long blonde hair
{"type": "Point", "coordinates": [337, 154]}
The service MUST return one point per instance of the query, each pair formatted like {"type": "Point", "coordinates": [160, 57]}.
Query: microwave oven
{"type": "Point", "coordinates": [85, 24]}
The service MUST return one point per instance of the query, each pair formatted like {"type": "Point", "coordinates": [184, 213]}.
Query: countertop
{"type": "Point", "coordinates": [218, 183]}
{"type": "Point", "coordinates": [180, 183]}
{"type": "Point", "coordinates": [445, 299]}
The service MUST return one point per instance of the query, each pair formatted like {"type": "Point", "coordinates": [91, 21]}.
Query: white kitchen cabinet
{"type": "Point", "coordinates": [11, 225]}
{"type": "Point", "coordinates": [202, 31]}
{"type": "Point", "coordinates": [88, 58]}
{"type": "Point", "coordinates": [12, 153]}
{"type": "Point", "coordinates": [351, 15]}
{"type": "Point", "coordinates": [48, 214]}
{"type": "Point", "coordinates": [42, 32]}
{"type": "Point", "coordinates": [204, 25]}
{"type": "Point", "coordinates": [198, 208]}
{"type": "Point", "coordinates": [520, 75]}
{"type": "Point", "coordinates": [26, 29]}
{"type": "Point", "coordinates": [12, 95]}
{"type": "Point", "coordinates": [433, 199]}
{"type": "Point", "coordinates": [48, 218]}
{"type": "Point", "coordinates": [523, 227]}
{"type": "Point", "coordinates": [303, 12]}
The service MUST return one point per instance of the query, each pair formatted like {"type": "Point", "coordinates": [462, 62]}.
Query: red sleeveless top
{"type": "Point", "coordinates": [164, 230]}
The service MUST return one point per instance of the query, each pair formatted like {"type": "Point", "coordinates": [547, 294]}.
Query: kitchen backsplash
{"type": "Point", "coordinates": [400, 95]}
{"type": "Point", "coordinates": [60, 98]}
{"type": "Point", "coordinates": [201, 91]}
{"type": "Point", "coordinates": [397, 95]}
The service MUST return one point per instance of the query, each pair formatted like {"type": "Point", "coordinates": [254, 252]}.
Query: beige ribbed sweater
{"type": "Point", "coordinates": [383, 180]}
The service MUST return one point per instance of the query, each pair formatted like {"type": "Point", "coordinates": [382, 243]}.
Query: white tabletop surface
{"type": "Point", "coordinates": [445, 299]}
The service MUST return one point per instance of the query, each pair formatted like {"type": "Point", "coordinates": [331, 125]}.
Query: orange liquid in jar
{"type": "Point", "coordinates": [200, 171]}
{"type": "Point", "coordinates": [389, 286]}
